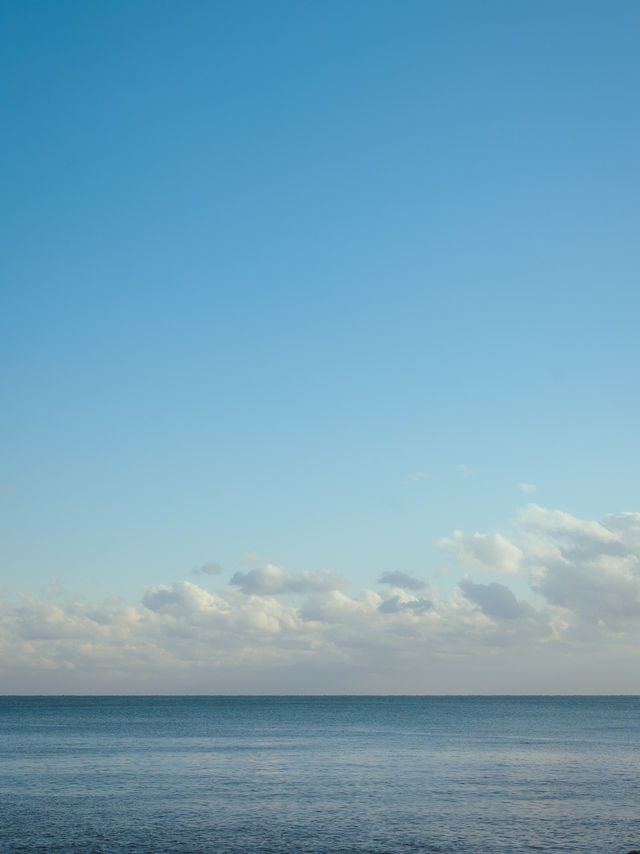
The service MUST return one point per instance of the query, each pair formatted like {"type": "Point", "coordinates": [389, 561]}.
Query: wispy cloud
{"type": "Point", "coordinates": [52, 590]}
{"type": "Point", "coordinates": [209, 568]}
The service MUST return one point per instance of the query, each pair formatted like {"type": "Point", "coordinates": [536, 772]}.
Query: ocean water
{"type": "Point", "coordinates": [383, 775]}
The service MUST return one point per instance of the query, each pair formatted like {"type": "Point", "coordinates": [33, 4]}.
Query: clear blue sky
{"type": "Point", "coordinates": [316, 281]}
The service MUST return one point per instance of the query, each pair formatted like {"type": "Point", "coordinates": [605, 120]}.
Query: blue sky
{"type": "Point", "coordinates": [312, 285]}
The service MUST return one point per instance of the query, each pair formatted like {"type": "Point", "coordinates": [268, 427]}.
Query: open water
{"type": "Point", "coordinates": [381, 775]}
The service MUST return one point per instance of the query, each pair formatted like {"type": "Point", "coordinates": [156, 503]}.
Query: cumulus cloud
{"type": "Point", "coordinates": [591, 568]}
{"type": "Point", "coordinates": [495, 600]}
{"type": "Point", "coordinates": [490, 552]}
{"type": "Point", "coordinates": [182, 598]}
{"type": "Point", "coordinates": [402, 579]}
{"type": "Point", "coordinates": [561, 524]}
{"type": "Point", "coordinates": [396, 604]}
{"type": "Point", "coordinates": [215, 614]}
{"type": "Point", "coordinates": [273, 580]}
{"type": "Point", "coordinates": [573, 595]}
{"type": "Point", "coordinates": [233, 638]}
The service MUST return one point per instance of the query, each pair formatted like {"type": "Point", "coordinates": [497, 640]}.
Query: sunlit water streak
{"type": "Point", "coordinates": [384, 775]}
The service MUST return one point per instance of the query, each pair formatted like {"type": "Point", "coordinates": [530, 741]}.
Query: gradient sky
{"type": "Point", "coordinates": [319, 347]}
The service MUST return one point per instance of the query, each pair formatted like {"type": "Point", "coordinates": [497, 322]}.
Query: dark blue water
{"type": "Point", "coordinates": [385, 775]}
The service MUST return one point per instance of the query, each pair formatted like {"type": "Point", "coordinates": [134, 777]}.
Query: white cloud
{"type": "Point", "coordinates": [183, 598]}
{"type": "Point", "coordinates": [272, 579]}
{"type": "Point", "coordinates": [583, 605]}
{"type": "Point", "coordinates": [590, 568]}
{"type": "Point", "coordinates": [489, 552]}
{"type": "Point", "coordinates": [527, 488]}
{"type": "Point", "coordinates": [560, 523]}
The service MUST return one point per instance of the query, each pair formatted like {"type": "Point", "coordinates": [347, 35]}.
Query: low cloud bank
{"type": "Point", "coordinates": [556, 607]}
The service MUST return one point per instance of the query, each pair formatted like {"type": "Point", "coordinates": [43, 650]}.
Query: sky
{"type": "Point", "coordinates": [318, 347]}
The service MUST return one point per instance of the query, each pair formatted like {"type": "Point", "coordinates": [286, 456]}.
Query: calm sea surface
{"type": "Point", "coordinates": [385, 775]}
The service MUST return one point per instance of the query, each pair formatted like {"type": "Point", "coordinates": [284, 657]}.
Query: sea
{"type": "Point", "coordinates": [287, 775]}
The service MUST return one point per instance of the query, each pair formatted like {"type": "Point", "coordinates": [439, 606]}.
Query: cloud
{"type": "Point", "coordinates": [183, 598]}
{"type": "Point", "coordinates": [273, 580]}
{"type": "Point", "coordinates": [527, 488]}
{"type": "Point", "coordinates": [397, 604]}
{"type": "Point", "coordinates": [209, 568]}
{"type": "Point", "coordinates": [590, 568]}
{"type": "Point", "coordinates": [561, 524]}
{"type": "Point", "coordinates": [402, 579]}
{"type": "Point", "coordinates": [495, 600]}
{"type": "Point", "coordinates": [184, 635]}
{"type": "Point", "coordinates": [52, 590]}
{"type": "Point", "coordinates": [568, 619]}
{"type": "Point", "coordinates": [489, 552]}
{"type": "Point", "coordinates": [213, 614]}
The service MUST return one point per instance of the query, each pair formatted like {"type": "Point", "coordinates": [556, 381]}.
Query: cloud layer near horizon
{"type": "Point", "coordinates": [555, 608]}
